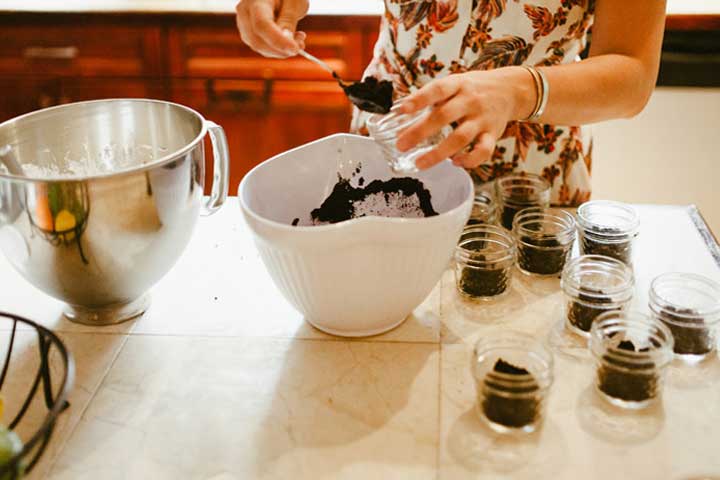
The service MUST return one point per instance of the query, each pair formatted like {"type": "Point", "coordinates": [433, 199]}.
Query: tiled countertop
{"type": "Point", "coordinates": [221, 379]}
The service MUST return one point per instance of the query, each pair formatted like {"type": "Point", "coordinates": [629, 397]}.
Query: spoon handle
{"type": "Point", "coordinates": [316, 60]}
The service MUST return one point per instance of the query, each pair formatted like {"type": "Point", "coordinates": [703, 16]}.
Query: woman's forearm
{"type": "Point", "coordinates": [596, 89]}
{"type": "Point", "coordinates": [616, 80]}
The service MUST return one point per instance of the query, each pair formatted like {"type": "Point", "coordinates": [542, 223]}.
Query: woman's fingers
{"type": "Point", "coordinates": [480, 153]}
{"type": "Point", "coordinates": [439, 117]}
{"type": "Point", "coordinates": [260, 30]}
{"type": "Point", "coordinates": [460, 138]}
{"type": "Point", "coordinates": [434, 92]}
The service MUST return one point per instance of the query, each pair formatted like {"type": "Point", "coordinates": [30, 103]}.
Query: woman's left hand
{"type": "Point", "coordinates": [479, 103]}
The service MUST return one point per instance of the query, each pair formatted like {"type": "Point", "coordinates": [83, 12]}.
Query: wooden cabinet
{"type": "Point", "coordinates": [265, 105]}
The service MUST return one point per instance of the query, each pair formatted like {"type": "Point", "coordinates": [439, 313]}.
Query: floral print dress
{"type": "Point", "coordinates": [421, 40]}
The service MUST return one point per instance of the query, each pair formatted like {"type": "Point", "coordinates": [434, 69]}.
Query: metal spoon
{"type": "Point", "coordinates": [324, 65]}
{"type": "Point", "coordinates": [368, 95]}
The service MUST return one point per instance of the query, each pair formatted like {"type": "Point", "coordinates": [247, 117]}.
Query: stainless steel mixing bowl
{"type": "Point", "coordinates": [99, 199]}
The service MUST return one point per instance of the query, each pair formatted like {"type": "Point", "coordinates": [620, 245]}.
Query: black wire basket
{"type": "Point", "coordinates": [38, 397]}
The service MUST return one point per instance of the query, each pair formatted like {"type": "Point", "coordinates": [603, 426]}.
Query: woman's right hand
{"type": "Point", "coordinates": [269, 26]}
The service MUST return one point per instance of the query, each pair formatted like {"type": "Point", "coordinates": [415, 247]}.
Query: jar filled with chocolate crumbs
{"type": "Point", "coordinates": [607, 228]}
{"type": "Point", "coordinates": [631, 352]}
{"type": "Point", "coordinates": [544, 239]}
{"type": "Point", "coordinates": [484, 260]}
{"type": "Point", "coordinates": [592, 285]}
{"type": "Point", "coordinates": [483, 210]}
{"type": "Point", "coordinates": [518, 191]}
{"type": "Point", "coordinates": [513, 373]}
{"type": "Point", "coordinates": [385, 128]}
{"type": "Point", "coordinates": [689, 305]}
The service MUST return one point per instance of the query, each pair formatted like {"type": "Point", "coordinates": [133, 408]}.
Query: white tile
{"type": "Point", "coordinates": [186, 407]}
{"type": "Point", "coordinates": [220, 287]}
{"type": "Point", "coordinates": [581, 436]}
{"type": "Point", "coordinates": [93, 356]}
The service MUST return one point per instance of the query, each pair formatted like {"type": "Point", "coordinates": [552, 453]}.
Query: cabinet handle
{"type": "Point", "coordinates": [241, 97]}
{"type": "Point", "coordinates": [51, 53]}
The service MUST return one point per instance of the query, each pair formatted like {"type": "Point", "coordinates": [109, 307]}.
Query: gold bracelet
{"type": "Point", "coordinates": [541, 90]}
{"type": "Point", "coordinates": [545, 94]}
{"type": "Point", "coordinates": [538, 85]}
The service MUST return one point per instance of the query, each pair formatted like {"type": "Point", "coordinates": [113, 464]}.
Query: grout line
{"type": "Point", "coordinates": [93, 394]}
{"type": "Point", "coordinates": [263, 337]}
{"type": "Point", "coordinates": [438, 455]}
{"type": "Point", "coordinates": [260, 337]}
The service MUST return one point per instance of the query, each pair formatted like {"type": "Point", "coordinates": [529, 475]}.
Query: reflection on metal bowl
{"type": "Point", "coordinates": [100, 198]}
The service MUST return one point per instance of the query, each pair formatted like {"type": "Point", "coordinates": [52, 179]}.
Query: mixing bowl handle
{"type": "Point", "coordinates": [221, 168]}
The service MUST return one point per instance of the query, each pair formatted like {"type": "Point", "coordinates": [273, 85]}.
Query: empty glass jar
{"type": "Point", "coordinates": [607, 228]}
{"type": "Point", "coordinates": [484, 260]}
{"type": "Point", "coordinates": [689, 305]}
{"type": "Point", "coordinates": [384, 129]}
{"type": "Point", "coordinates": [544, 239]}
{"type": "Point", "coordinates": [594, 284]}
{"type": "Point", "coordinates": [517, 191]}
{"type": "Point", "coordinates": [513, 373]}
{"type": "Point", "coordinates": [631, 352]}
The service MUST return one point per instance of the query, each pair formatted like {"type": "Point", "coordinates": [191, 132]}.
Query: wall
{"type": "Point", "coordinates": [670, 153]}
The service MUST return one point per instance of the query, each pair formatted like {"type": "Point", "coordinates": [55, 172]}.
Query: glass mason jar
{"type": "Point", "coordinates": [384, 129]}
{"type": "Point", "coordinates": [517, 191]}
{"type": "Point", "coordinates": [689, 305]}
{"type": "Point", "coordinates": [631, 352]}
{"type": "Point", "coordinates": [594, 284]}
{"type": "Point", "coordinates": [483, 210]}
{"type": "Point", "coordinates": [513, 373]}
{"type": "Point", "coordinates": [607, 228]}
{"type": "Point", "coordinates": [484, 259]}
{"type": "Point", "coordinates": [544, 239]}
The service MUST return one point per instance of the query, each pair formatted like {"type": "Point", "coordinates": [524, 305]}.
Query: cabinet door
{"type": "Point", "coordinates": [23, 95]}
{"type": "Point", "coordinates": [75, 50]}
{"type": "Point", "coordinates": [263, 117]}
{"type": "Point", "coordinates": [204, 52]}
{"type": "Point", "coordinates": [97, 88]}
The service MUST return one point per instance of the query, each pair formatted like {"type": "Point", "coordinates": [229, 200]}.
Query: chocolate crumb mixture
{"type": "Point", "coordinates": [480, 282]}
{"type": "Point", "coordinates": [397, 197]}
{"type": "Point", "coordinates": [692, 336]}
{"type": "Point", "coordinates": [626, 380]}
{"type": "Point", "coordinates": [618, 250]}
{"type": "Point", "coordinates": [500, 403]}
{"type": "Point", "coordinates": [582, 313]}
{"type": "Point", "coordinates": [371, 95]}
{"type": "Point", "coordinates": [543, 256]}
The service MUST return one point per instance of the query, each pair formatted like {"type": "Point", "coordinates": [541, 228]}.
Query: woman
{"type": "Point", "coordinates": [467, 59]}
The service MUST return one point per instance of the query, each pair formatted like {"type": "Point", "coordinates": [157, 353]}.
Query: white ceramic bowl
{"type": "Point", "coordinates": [359, 277]}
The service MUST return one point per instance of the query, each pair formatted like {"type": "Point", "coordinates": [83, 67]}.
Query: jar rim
{"type": "Point", "coordinates": [626, 225]}
{"type": "Point", "coordinates": [540, 379]}
{"type": "Point", "coordinates": [554, 216]}
{"type": "Point", "coordinates": [387, 125]}
{"type": "Point", "coordinates": [501, 237]}
{"type": "Point", "coordinates": [683, 314]}
{"type": "Point", "coordinates": [598, 264]}
{"type": "Point", "coordinates": [608, 324]}
{"type": "Point", "coordinates": [539, 187]}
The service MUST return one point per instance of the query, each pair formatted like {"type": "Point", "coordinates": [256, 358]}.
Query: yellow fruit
{"type": "Point", "coordinates": [10, 445]}
{"type": "Point", "coordinates": [64, 221]}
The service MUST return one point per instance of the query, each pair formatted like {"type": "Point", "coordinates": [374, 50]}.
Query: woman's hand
{"type": "Point", "coordinates": [479, 104]}
{"type": "Point", "coordinates": [268, 26]}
